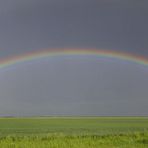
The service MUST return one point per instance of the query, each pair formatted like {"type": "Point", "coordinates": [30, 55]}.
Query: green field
{"type": "Point", "coordinates": [74, 132]}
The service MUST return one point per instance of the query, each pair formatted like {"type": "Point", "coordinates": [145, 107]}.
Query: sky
{"type": "Point", "coordinates": [74, 85]}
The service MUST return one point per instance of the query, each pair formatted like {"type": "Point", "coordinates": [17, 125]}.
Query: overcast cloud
{"type": "Point", "coordinates": [74, 85]}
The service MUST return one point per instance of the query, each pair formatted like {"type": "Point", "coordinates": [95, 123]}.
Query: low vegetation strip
{"type": "Point", "coordinates": [135, 140]}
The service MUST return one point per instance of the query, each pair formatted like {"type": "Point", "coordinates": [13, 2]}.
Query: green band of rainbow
{"type": "Point", "coordinates": [68, 52]}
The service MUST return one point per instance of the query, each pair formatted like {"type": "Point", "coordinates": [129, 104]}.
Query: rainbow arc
{"type": "Point", "coordinates": [12, 60]}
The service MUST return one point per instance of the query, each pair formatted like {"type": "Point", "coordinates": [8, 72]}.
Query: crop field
{"type": "Point", "coordinates": [74, 132]}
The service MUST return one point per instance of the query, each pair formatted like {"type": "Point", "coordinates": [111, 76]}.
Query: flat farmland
{"type": "Point", "coordinates": [74, 132]}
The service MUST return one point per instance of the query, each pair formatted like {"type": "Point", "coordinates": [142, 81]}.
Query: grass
{"type": "Point", "coordinates": [74, 132]}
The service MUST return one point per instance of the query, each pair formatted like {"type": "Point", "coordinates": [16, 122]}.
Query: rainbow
{"type": "Point", "coordinates": [12, 60]}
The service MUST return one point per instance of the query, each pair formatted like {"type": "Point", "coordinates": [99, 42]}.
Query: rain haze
{"type": "Point", "coordinates": [74, 85]}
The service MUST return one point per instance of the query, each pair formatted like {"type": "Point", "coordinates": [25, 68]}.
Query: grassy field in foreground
{"type": "Point", "coordinates": [75, 132]}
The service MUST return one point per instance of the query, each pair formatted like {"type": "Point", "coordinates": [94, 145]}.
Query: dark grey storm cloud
{"type": "Point", "coordinates": [109, 24]}
{"type": "Point", "coordinates": [74, 85]}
